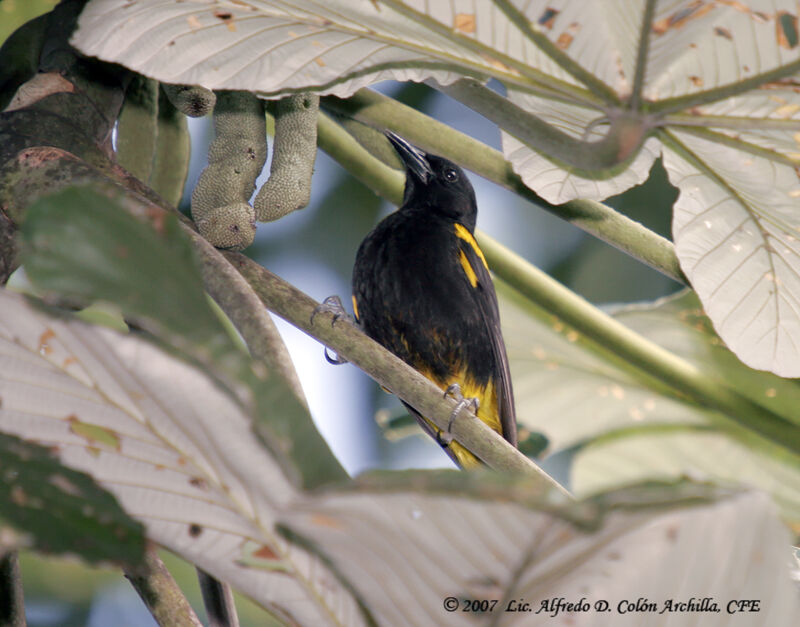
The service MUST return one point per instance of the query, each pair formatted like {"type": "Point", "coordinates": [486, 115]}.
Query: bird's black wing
{"type": "Point", "coordinates": [486, 299]}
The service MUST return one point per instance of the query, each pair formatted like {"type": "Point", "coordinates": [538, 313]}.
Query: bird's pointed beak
{"type": "Point", "coordinates": [414, 159]}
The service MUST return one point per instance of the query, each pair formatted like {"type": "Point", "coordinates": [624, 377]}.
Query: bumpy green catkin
{"type": "Point", "coordinates": [190, 100]}
{"type": "Point", "coordinates": [295, 148]}
{"type": "Point", "coordinates": [235, 159]}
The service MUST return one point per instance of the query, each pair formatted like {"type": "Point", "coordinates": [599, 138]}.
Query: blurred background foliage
{"type": "Point", "coordinates": [314, 249]}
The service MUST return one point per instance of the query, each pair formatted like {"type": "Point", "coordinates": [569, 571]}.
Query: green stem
{"type": "Point", "coordinates": [681, 103]}
{"type": "Point", "coordinates": [641, 56]}
{"type": "Point", "coordinates": [386, 182]}
{"type": "Point", "coordinates": [379, 111]}
{"type": "Point", "coordinates": [730, 121]}
{"type": "Point", "coordinates": [627, 131]}
{"type": "Point", "coordinates": [736, 410]}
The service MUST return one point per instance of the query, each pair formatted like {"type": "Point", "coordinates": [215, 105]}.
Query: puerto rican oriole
{"type": "Point", "coordinates": [421, 288]}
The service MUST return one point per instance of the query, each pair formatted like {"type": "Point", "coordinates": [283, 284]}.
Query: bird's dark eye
{"type": "Point", "coordinates": [450, 175]}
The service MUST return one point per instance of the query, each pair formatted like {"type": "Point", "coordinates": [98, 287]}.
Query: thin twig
{"type": "Point", "coordinates": [161, 594]}
{"type": "Point", "coordinates": [218, 601]}
{"type": "Point", "coordinates": [12, 600]}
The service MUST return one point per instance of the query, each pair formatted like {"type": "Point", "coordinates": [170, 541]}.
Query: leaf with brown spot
{"type": "Point", "coordinates": [464, 23]}
{"type": "Point", "coordinates": [723, 32]}
{"type": "Point", "coordinates": [565, 39]}
{"type": "Point", "coordinates": [44, 342]}
{"type": "Point", "coordinates": [548, 17]}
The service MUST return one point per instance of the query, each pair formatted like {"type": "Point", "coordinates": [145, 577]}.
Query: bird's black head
{"type": "Point", "coordinates": [435, 184]}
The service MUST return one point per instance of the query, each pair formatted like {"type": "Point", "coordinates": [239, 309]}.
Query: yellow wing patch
{"type": "Point", "coordinates": [355, 306]}
{"type": "Point", "coordinates": [467, 266]}
{"type": "Point", "coordinates": [462, 232]}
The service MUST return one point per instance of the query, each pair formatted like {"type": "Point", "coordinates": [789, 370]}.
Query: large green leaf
{"type": "Point", "coordinates": [84, 245]}
{"type": "Point", "coordinates": [50, 507]}
{"type": "Point", "coordinates": [180, 456]}
{"type": "Point", "coordinates": [637, 428]}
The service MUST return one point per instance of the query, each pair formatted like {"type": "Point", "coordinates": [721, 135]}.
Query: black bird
{"type": "Point", "coordinates": [421, 288]}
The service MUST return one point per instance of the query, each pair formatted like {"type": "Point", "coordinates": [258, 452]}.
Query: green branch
{"type": "Point", "coordinates": [382, 112]}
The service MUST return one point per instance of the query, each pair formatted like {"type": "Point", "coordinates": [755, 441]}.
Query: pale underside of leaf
{"type": "Point", "coordinates": [460, 548]}
{"type": "Point", "coordinates": [736, 226]}
{"type": "Point", "coordinates": [696, 46]}
{"type": "Point", "coordinates": [336, 47]}
{"type": "Point", "coordinates": [601, 36]}
{"type": "Point", "coordinates": [555, 375]}
{"type": "Point", "coordinates": [574, 395]}
{"type": "Point", "coordinates": [701, 456]}
{"type": "Point", "coordinates": [559, 182]}
{"type": "Point", "coordinates": [174, 449]}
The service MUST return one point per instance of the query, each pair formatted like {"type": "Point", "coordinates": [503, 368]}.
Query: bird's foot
{"type": "Point", "coordinates": [332, 305]}
{"type": "Point", "coordinates": [454, 390]}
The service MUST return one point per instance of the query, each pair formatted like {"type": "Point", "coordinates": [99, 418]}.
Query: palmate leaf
{"type": "Point", "coordinates": [706, 85]}
{"type": "Point", "coordinates": [627, 428]}
{"type": "Point", "coordinates": [180, 456]}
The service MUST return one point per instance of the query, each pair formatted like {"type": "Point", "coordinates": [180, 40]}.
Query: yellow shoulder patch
{"type": "Point", "coordinates": [462, 232]}
{"type": "Point", "coordinates": [355, 306]}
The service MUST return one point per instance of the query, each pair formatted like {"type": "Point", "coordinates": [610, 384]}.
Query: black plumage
{"type": "Point", "coordinates": [421, 288]}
